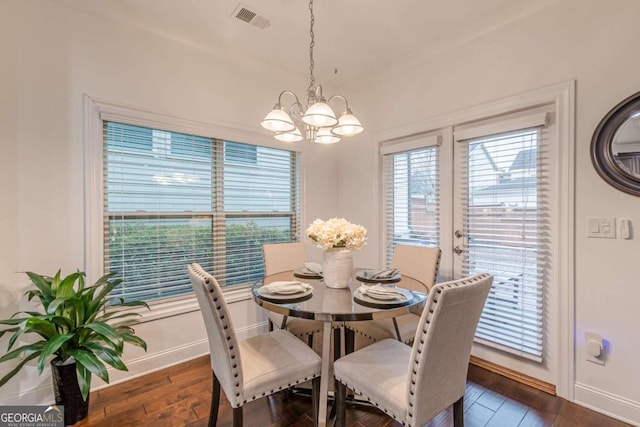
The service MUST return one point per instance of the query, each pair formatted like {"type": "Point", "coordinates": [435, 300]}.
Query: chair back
{"type": "Point", "coordinates": [419, 262]}
{"type": "Point", "coordinates": [223, 344]}
{"type": "Point", "coordinates": [280, 257]}
{"type": "Point", "coordinates": [442, 346]}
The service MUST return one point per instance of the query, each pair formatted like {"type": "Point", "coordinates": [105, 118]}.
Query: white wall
{"type": "Point", "coordinates": [51, 56]}
{"type": "Point", "coordinates": [590, 42]}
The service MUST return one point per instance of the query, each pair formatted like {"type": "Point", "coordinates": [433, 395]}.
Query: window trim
{"type": "Point", "coordinates": [95, 111]}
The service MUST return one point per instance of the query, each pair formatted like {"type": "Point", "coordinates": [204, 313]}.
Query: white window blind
{"type": "Point", "coordinates": [506, 225]}
{"type": "Point", "coordinates": [171, 199]}
{"type": "Point", "coordinates": [412, 198]}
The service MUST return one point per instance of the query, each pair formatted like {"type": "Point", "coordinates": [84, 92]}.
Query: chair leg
{"type": "Point", "coordinates": [237, 416]}
{"type": "Point", "coordinates": [215, 401]}
{"type": "Point", "coordinates": [337, 347]}
{"type": "Point", "coordinates": [458, 412]}
{"type": "Point", "coordinates": [310, 340]}
{"type": "Point", "coordinates": [341, 404]}
{"type": "Point", "coordinates": [283, 326]}
{"type": "Point", "coordinates": [315, 399]}
{"type": "Point", "coordinates": [349, 341]}
{"type": "Point", "coordinates": [395, 326]}
{"type": "Point", "coordinates": [270, 325]}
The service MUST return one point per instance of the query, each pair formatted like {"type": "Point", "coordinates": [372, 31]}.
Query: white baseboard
{"type": "Point", "coordinates": [146, 364]}
{"type": "Point", "coordinates": [154, 362]}
{"type": "Point", "coordinates": [606, 403]}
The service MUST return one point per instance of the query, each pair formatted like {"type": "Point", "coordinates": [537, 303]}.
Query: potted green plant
{"type": "Point", "coordinates": [80, 328]}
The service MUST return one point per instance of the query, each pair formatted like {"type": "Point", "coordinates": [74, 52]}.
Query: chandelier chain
{"type": "Point", "coordinates": [312, 79]}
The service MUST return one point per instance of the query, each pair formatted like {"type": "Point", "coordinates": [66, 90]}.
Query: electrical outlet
{"type": "Point", "coordinates": [594, 348]}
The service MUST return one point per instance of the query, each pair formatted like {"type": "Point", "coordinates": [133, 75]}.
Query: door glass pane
{"type": "Point", "coordinates": [504, 238]}
{"type": "Point", "coordinates": [413, 198]}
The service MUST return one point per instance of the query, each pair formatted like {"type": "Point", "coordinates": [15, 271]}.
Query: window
{"type": "Point", "coordinates": [171, 199]}
{"type": "Point", "coordinates": [412, 211]}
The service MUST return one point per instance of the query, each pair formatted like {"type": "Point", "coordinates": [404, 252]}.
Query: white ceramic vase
{"type": "Point", "coordinates": [337, 267]}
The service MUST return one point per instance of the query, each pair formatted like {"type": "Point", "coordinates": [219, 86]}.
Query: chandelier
{"type": "Point", "coordinates": [318, 120]}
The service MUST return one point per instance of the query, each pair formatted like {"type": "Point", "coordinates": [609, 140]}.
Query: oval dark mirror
{"type": "Point", "coordinates": [615, 146]}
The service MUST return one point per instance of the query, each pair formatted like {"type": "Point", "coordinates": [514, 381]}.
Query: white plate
{"type": "Point", "coordinates": [385, 297]}
{"type": "Point", "coordinates": [361, 276]}
{"type": "Point", "coordinates": [383, 301]}
{"type": "Point", "coordinates": [272, 296]}
{"type": "Point", "coordinates": [304, 272]}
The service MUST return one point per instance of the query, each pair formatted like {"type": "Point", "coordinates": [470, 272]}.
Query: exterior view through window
{"type": "Point", "coordinates": [506, 236]}
{"type": "Point", "coordinates": [412, 201]}
{"type": "Point", "coordinates": [172, 199]}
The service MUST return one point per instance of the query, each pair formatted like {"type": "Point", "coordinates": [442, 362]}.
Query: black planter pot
{"type": "Point", "coordinates": [67, 391]}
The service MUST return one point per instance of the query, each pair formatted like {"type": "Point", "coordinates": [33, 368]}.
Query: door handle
{"type": "Point", "coordinates": [457, 250]}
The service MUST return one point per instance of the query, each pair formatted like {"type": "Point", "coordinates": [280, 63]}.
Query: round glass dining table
{"type": "Point", "coordinates": [336, 305]}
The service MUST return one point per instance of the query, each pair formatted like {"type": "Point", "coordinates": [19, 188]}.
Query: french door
{"type": "Point", "coordinates": [480, 191]}
{"type": "Point", "coordinates": [503, 213]}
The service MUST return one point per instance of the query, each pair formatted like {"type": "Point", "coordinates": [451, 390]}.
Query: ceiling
{"type": "Point", "coordinates": [356, 40]}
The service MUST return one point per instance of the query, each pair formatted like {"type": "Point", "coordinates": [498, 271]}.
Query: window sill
{"type": "Point", "coordinates": [187, 305]}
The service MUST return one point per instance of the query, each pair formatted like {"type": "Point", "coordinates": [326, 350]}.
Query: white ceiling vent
{"type": "Point", "coordinates": [251, 16]}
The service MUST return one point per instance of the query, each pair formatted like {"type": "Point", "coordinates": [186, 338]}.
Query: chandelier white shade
{"type": "Point", "coordinates": [324, 136]}
{"type": "Point", "coordinates": [290, 136]}
{"type": "Point", "coordinates": [347, 125]}
{"type": "Point", "coordinates": [320, 115]}
{"type": "Point", "coordinates": [318, 120]}
{"type": "Point", "coordinates": [278, 121]}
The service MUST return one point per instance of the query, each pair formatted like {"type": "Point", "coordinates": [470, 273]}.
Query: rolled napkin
{"type": "Point", "coordinates": [380, 291]}
{"type": "Point", "coordinates": [385, 273]}
{"type": "Point", "coordinates": [286, 287]}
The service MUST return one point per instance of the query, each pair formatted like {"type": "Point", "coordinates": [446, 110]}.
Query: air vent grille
{"type": "Point", "coordinates": [251, 16]}
{"type": "Point", "coordinates": [246, 15]}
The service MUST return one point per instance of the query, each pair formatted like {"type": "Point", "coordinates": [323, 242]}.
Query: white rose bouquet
{"type": "Point", "coordinates": [337, 233]}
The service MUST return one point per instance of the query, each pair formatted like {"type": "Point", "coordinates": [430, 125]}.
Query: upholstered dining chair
{"type": "Point", "coordinates": [413, 384]}
{"type": "Point", "coordinates": [419, 262]}
{"type": "Point", "coordinates": [280, 257]}
{"type": "Point", "coordinates": [256, 367]}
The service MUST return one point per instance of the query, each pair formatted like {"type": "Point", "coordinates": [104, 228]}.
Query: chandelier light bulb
{"type": "Point", "coordinates": [277, 120]}
{"type": "Point", "coordinates": [320, 115]}
{"type": "Point", "coordinates": [348, 125]}
{"type": "Point", "coordinates": [291, 136]}
{"type": "Point", "coordinates": [324, 136]}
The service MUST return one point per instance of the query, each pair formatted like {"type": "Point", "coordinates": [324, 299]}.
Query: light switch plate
{"type": "Point", "coordinates": [603, 228]}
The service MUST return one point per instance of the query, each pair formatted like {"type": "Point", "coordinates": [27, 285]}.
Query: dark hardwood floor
{"type": "Point", "coordinates": [180, 396]}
